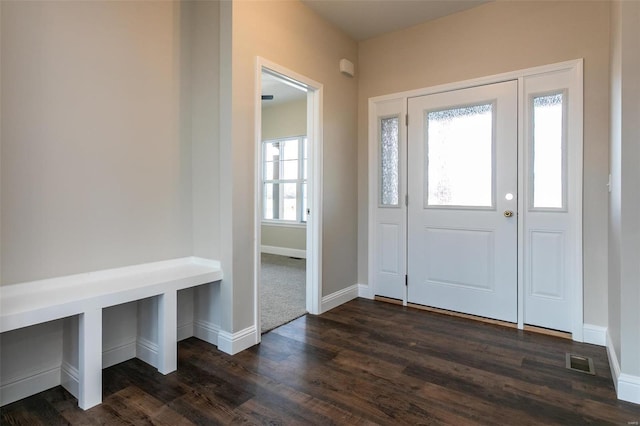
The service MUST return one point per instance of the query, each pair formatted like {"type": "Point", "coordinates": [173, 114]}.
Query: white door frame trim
{"type": "Point", "coordinates": [314, 188]}
{"type": "Point", "coordinates": [576, 66]}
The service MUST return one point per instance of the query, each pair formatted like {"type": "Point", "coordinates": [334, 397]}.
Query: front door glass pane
{"type": "Point", "coordinates": [459, 157]}
{"type": "Point", "coordinates": [547, 151]}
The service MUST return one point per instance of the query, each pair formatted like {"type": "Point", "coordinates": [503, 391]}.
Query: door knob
{"type": "Point", "coordinates": [508, 213]}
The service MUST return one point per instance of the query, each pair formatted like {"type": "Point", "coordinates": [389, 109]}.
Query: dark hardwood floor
{"type": "Point", "coordinates": [364, 362]}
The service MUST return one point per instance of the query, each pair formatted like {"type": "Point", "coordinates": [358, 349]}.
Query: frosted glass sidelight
{"type": "Point", "coordinates": [548, 151]}
{"type": "Point", "coordinates": [459, 157]}
{"type": "Point", "coordinates": [389, 162]}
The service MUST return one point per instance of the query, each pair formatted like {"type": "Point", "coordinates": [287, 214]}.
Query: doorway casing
{"type": "Point", "coordinates": [314, 183]}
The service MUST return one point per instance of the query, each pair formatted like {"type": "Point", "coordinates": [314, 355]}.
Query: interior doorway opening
{"type": "Point", "coordinates": [284, 201]}
{"type": "Point", "coordinates": [288, 195]}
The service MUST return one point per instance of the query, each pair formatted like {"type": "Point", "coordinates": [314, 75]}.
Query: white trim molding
{"type": "Point", "coordinates": [118, 354]}
{"type": "Point", "coordinates": [184, 331]}
{"type": "Point", "coordinates": [613, 361]}
{"type": "Point", "coordinates": [206, 331]}
{"type": "Point", "coordinates": [233, 343]}
{"type": "Point", "coordinates": [284, 251]}
{"type": "Point", "coordinates": [70, 378]}
{"type": "Point", "coordinates": [594, 334]}
{"type": "Point", "coordinates": [31, 384]}
{"type": "Point", "coordinates": [339, 297]}
{"type": "Point", "coordinates": [147, 351]}
{"type": "Point", "coordinates": [365, 291]}
{"type": "Point", "coordinates": [627, 386]}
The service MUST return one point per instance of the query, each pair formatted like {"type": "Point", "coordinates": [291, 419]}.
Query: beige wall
{"type": "Point", "coordinates": [205, 42]}
{"type": "Point", "coordinates": [281, 121]}
{"type": "Point", "coordinates": [289, 34]}
{"type": "Point", "coordinates": [490, 39]}
{"type": "Point", "coordinates": [95, 137]}
{"type": "Point", "coordinates": [284, 236]}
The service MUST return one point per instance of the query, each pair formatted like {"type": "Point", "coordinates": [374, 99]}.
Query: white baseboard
{"type": "Point", "coordinates": [185, 331]}
{"type": "Point", "coordinates": [627, 386]}
{"type": "Point", "coordinates": [147, 351]}
{"type": "Point", "coordinates": [365, 291]}
{"type": "Point", "coordinates": [31, 384]}
{"type": "Point", "coordinates": [237, 342]}
{"type": "Point", "coordinates": [614, 365]}
{"type": "Point", "coordinates": [594, 334]}
{"type": "Point", "coordinates": [338, 298]}
{"type": "Point", "coordinates": [206, 331]}
{"type": "Point", "coordinates": [70, 378]}
{"type": "Point", "coordinates": [119, 354]}
{"type": "Point", "coordinates": [284, 251]}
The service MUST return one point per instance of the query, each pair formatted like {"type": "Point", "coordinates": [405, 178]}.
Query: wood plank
{"type": "Point", "coordinates": [364, 362]}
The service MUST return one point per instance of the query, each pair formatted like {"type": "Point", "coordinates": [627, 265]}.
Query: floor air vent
{"type": "Point", "coordinates": [580, 363]}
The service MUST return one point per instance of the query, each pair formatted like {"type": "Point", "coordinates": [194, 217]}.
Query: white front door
{"type": "Point", "coordinates": [462, 212]}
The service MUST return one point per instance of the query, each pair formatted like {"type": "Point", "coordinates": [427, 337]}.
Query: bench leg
{"type": "Point", "coordinates": [167, 332]}
{"type": "Point", "coordinates": [90, 359]}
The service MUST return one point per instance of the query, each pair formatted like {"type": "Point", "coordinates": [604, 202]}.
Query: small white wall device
{"type": "Point", "coordinates": [347, 67]}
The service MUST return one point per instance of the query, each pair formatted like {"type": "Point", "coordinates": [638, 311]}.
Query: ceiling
{"type": "Point", "coordinates": [363, 19]}
{"type": "Point", "coordinates": [282, 92]}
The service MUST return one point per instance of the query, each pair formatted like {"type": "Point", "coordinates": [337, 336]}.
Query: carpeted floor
{"type": "Point", "coordinates": [283, 290]}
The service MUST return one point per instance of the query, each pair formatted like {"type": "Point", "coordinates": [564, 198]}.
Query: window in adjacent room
{"type": "Point", "coordinates": [284, 182]}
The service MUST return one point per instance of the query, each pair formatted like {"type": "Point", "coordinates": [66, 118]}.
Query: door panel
{"type": "Point", "coordinates": [390, 248]}
{"type": "Point", "coordinates": [387, 192]}
{"type": "Point", "coordinates": [462, 168]}
{"type": "Point", "coordinates": [552, 199]}
{"type": "Point", "coordinates": [460, 257]}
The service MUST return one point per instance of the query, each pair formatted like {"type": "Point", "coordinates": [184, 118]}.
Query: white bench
{"type": "Point", "coordinates": [85, 295]}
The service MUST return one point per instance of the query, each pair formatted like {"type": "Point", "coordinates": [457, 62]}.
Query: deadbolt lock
{"type": "Point", "coordinates": [508, 213]}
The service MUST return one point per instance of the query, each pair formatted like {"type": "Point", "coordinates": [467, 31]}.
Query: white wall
{"type": "Point", "coordinates": [624, 200]}
{"type": "Point", "coordinates": [615, 200]}
{"type": "Point", "coordinates": [280, 121]}
{"type": "Point", "coordinates": [490, 39]}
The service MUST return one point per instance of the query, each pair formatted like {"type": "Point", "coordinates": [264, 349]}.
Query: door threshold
{"type": "Point", "coordinates": [388, 300]}
{"type": "Point", "coordinates": [548, 331]}
{"type": "Point", "coordinates": [461, 315]}
{"type": "Point", "coordinates": [531, 328]}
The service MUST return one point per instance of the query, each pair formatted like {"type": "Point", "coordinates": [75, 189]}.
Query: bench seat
{"type": "Point", "coordinates": [85, 295]}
